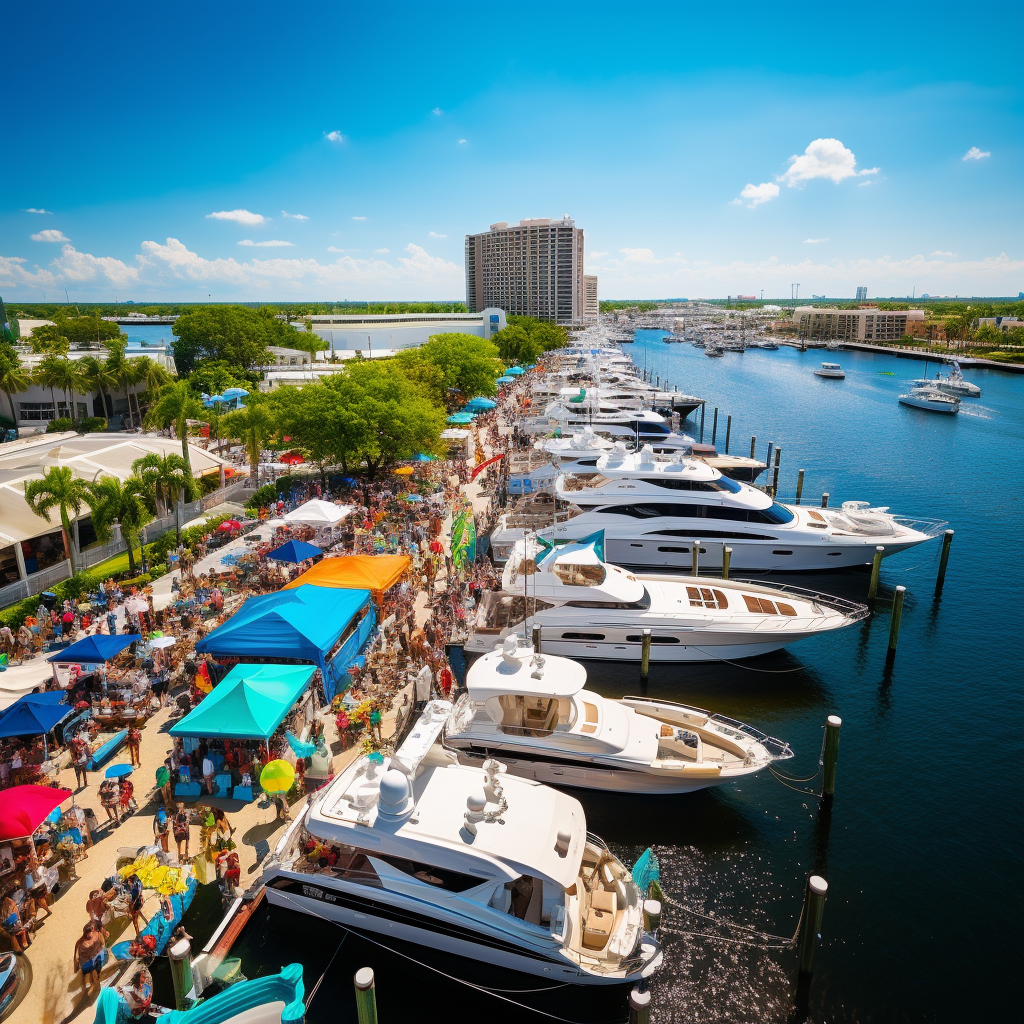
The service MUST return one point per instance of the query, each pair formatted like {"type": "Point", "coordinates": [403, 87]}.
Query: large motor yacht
{"type": "Point", "coordinates": [952, 384]}
{"type": "Point", "coordinates": [585, 607]}
{"type": "Point", "coordinates": [652, 510]}
{"type": "Point", "coordinates": [642, 425]}
{"type": "Point", "coordinates": [464, 859]}
{"type": "Point", "coordinates": [531, 712]}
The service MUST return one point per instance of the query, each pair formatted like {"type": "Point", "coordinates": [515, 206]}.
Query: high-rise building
{"type": "Point", "coordinates": [591, 307]}
{"type": "Point", "coordinates": [862, 294]}
{"type": "Point", "coordinates": [534, 268]}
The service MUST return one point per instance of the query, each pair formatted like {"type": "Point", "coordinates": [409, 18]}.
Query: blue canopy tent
{"type": "Point", "coordinates": [461, 418]}
{"type": "Point", "coordinates": [94, 650]}
{"type": "Point", "coordinates": [295, 551]}
{"type": "Point", "coordinates": [480, 404]}
{"type": "Point", "coordinates": [28, 717]}
{"type": "Point", "coordinates": [324, 626]}
{"type": "Point", "coordinates": [515, 371]}
{"type": "Point", "coordinates": [250, 702]}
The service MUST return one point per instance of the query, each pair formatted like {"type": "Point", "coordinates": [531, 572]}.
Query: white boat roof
{"type": "Point", "coordinates": [620, 462]}
{"type": "Point", "coordinates": [553, 577]}
{"type": "Point", "coordinates": [518, 670]}
{"type": "Point", "coordinates": [583, 441]}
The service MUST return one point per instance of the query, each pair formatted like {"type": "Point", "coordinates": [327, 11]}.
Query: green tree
{"type": "Point", "coordinates": [152, 374]}
{"type": "Point", "coordinates": [122, 373]}
{"type": "Point", "coordinates": [14, 379]}
{"type": "Point", "coordinates": [164, 478]}
{"type": "Point", "coordinates": [114, 501]}
{"type": "Point", "coordinates": [48, 375]}
{"type": "Point", "coordinates": [175, 406]}
{"type": "Point", "coordinates": [215, 376]}
{"type": "Point", "coordinates": [78, 330]}
{"type": "Point", "coordinates": [97, 376]}
{"type": "Point", "coordinates": [60, 489]}
{"type": "Point", "coordinates": [254, 426]}
{"type": "Point", "coordinates": [66, 375]}
{"type": "Point", "coordinates": [236, 334]}
{"type": "Point", "coordinates": [516, 345]}
{"type": "Point", "coordinates": [468, 365]}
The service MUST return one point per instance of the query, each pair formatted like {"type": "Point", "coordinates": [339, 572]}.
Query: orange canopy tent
{"type": "Point", "coordinates": [355, 572]}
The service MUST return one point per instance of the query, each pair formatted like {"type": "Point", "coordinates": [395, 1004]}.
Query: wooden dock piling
{"type": "Point", "coordinates": [645, 655]}
{"type": "Point", "coordinates": [894, 623]}
{"type": "Point", "coordinates": [701, 422]}
{"type": "Point", "coordinates": [828, 782]}
{"type": "Point", "coordinates": [536, 638]}
{"type": "Point", "coordinates": [799, 485]}
{"type": "Point", "coordinates": [753, 445]}
{"type": "Point", "coordinates": [726, 559]}
{"type": "Point", "coordinates": [810, 930]}
{"type": "Point", "coordinates": [947, 540]}
{"type": "Point", "coordinates": [694, 557]}
{"type": "Point", "coordinates": [876, 568]}
{"type": "Point", "coordinates": [180, 957]}
{"type": "Point", "coordinates": [366, 996]}
{"type": "Point", "coordinates": [775, 478]}
{"type": "Point", "coordinates": [714, 426]}
{"type": "Point", "coordinates": [639, 1005]}
{"type": "Point", "coordinates": [824, 500]}
{"type": "Point", "coordinates": [728, 432]}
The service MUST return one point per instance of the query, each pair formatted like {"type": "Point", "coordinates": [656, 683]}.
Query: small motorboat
{"type": "Point", "coordinates": [932, 399]}
{"type": "Point", "coordinates": [830, 371]}
{"type": "Point", "coordinates": [713, 350]}
{"type": "Point", "coordinates": [952, 384]}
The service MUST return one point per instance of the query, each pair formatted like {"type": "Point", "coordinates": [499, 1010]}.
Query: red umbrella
{"type": "Point", "coordinates": [230, 524]}
{"type": "Point", "coordinates": [436, 547]}
{"type": "Point", "coordinates": [24, 808]}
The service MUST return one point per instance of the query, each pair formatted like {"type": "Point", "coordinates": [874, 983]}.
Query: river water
{"type": "Point", "coordinates": [922, 850]}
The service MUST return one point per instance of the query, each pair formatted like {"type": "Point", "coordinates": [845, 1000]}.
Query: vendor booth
{"type": "Point", "coordinates": [376, 573]}
{"type": "Point", "coordinates": [35, 714]}
{"type": "Point", "coordinates": [308, 624]}
{"type": "Point", "coordinates": [319, 513]}
{"type": "Point", "coordinates": [91, 651]}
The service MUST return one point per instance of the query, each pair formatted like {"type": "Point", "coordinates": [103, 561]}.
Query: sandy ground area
{"type": "Point", "coordinates": [56, 992]}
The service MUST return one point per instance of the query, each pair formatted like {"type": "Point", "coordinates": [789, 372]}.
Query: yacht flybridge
{"type": "Point", "coordinates": [531, 712]}
{"type": "Point", "coordinates": [652, 510]}
{"type": "Point", "coordinates": [585, 607]}
{"type": "Point", "coordinates": [469, 860]}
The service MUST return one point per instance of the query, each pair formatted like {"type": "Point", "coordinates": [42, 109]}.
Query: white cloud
{"type": "Point", "coordinates": [334, 248]}
{"type": "Point", "coordinates": [434, 234]}
{"type": "Point", "coordinates": [939, 252]}
{"type": "Point", "coordinates": [32, 209]}
{"type": "Point", "coordinates": [975, 154]}
{"type": "Point", "coordinates": [639, 256]}
{"type": "Point", "coordinates": [437, 111]}
{"type": "Point", "coordinates": [50, 235]}
{"type": "Point", "coordinates": [758, 194]}
{"type": "Point", "coordinates": [382, 250]}
{"type": "Point", "coordinates": [359, 218]}
{"type": "Point", "coordinates": [864, 184]}
{"type": "Point", "coordinates": [334, 136]}
{"type": "Point", "coordinates": [239, 217]}
{"type": "Point", "coordinates": [598, 255]}
{"type": "Point", "coordinates": [271, 243]}
{"type": "Point", "coordinates": [462, 142]}
{"type": "Point", "coordinates": [814, 241]}
{"type": "Point", "coordinates": [823, 158]}
{"type": "Point", "coordinates": [294, 216]}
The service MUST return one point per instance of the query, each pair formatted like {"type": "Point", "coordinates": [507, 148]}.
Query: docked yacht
{"type": "Point", "coordinates": [524, 517]}
{"type": "Point", "coordinates": [532, 713]}
{"type": "Point", "coordinates": [586, 607]}
{"type": "Point", "coordinates": [616, 423]}
{"type": "Point", "coordinates": [651, 511]}
{"type": "Point", "coordinates": [952, 384]}
{"type": "Point", "coordinates": [931, 399]}
{"type": "Point", "coordinates": [468, 860]}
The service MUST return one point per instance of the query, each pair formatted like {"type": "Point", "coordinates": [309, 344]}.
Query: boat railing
{"type": "Point", "coordinates": [929, 527]}
{"type": "Point", "coordinates": [853, 610]}
{"type": "Point", "coordinates": [780, 750]}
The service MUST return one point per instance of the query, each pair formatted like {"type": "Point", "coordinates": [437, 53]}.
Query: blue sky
{"type": "Point", "coordinates": [705, 149]}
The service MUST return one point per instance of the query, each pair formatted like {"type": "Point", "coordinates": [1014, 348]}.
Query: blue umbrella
{"type": "Point", "coordinates": [480, 404]}
{"type": "Point", "coordinates": [294, 551]}
{"type": "Point", "coordinates": [235, 392]}
{"type": "Point", "coordinates": [461, 417]}
{"type": "Point", "coordinates": [118, 771]}
{"type": "Point", "coordinates": [515, 371]}
{"type": "Point", "coordinates": [54, 816]}
{"type": "Point", "coordinates": [413, 497]}
{"type": "Point", "coordinates": [217, 398]}
{"type": "Point", "coordinates": [504, 380]}
{"type": "Point", "coordinates": [424, 458]}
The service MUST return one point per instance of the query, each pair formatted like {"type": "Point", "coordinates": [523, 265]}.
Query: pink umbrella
{"type": "Point", "coordinates": [24, 808]}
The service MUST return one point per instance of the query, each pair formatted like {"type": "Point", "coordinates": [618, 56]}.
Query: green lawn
{"type": "Point", "coordinates": [118, 564]}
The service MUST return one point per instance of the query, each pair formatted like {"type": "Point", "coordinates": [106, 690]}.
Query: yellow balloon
{"type": "Point", "coordinates": [277, 777]}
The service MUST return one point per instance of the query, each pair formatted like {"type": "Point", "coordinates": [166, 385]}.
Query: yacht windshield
{"type": "Point", "coordinates": [679, 484]}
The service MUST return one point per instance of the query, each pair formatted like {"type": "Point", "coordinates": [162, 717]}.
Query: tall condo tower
{"type": "Point", "coordinates": [533, 268]}
{"type": "Point", "coordinates": [862, 294]}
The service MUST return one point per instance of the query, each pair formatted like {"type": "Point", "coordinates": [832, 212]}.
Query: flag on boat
{"type": "Point", "coordinates": [463, 539]}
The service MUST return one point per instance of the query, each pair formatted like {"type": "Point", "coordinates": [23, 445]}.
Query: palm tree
{"type": "Point", "coordinates": [98, 376]}
{"type": "Point", "coordinates": [60, 489]}
{"type": "Point", "coordinates": [254, 426]}
{"type": "Point", "coordinates": [121, 373]}
{"type": "Point", "coordinates": [123, 502]}
{"type": "Point", "coordinates": [175, 407]}
{"type": "Point", "coordinates": [149, 372]}
{"type": "Point", "coordinates": [215, 419]}
{"type": "Point", "coordinates": [67, 375]}
{"type": "Point", "coordinates": [47, 375]}
{"type": "Point", "coordinates": [14, 379]}
{"type": "Point", "coordinates": [164, 476]}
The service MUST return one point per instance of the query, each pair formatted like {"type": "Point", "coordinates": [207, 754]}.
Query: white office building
{"type": "Point", "coordinates": [533, 268]}
{"type": "Point", "coordinates": [870, 324]}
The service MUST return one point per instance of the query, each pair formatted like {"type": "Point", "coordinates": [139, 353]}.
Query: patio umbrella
{"type": "Point", "coordinates": [515, 371]}
{"type": "Point", "coordinates": [461, 417]}
{"type": "Point", "coordinates": [413, 497]}
{"type": "Point", "coordinates": [235, 392]}
{"type": "Point", "coordinates": [24, 808]}
{"type": "Point", "coordinates": [424, 458]}
{"type": "Point", "coordinates": [505, 380]}
{"type": "Point", "coordinates": [404, 471]}
{"type": "Point", "coordinates": [162, 641]}
{"type": "Point", "coordinates": [294, 551]}
{"type": "Point", "coordinates": [480, 404]}
{"type": "Point", "coordinates": [118, 771]}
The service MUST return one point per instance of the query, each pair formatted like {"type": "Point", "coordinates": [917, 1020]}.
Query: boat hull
{"type": "Point", "coordinates": [947, 408]}
{"type": "Point", "coordinates": [398, 918]}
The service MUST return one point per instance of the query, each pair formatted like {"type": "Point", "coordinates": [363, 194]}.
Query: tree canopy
{"type": "Point", "coordinates": [453, 367]}
{"type": "Point", "coordinates": [77, 330]}
{"type": "Point", "coordinates": [236, 334]}
{"type": "Point", "coordinates": [215, 376]}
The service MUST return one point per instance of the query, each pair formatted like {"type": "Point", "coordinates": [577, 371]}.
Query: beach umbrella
{"type": "Point", "coordinates": [413, 497]}
{"type": "Point", "coordinates": [294, 551]}
{"type": "Point", "coordinates": [462, 418]}
{"type": "Point", "coordinates": [24, 808]}
{"type": "Point", "coordinates": [425, 458]}
{"type": "Point", "coordinates": [505, 380]}
{"type": "Point", "coordinates": [277, 777]}
{"type": "Point", "coordinates": [118, 771]}
{"type": "Point", "coordinates": [481, 404]}
{"type": "Point", "coordinates": [515, 371]}
{"type": "Point", "coordinates": [235, 392]}
{"type": "Point", "coordinates": [404, 471]}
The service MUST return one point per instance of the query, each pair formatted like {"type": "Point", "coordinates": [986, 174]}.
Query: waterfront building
{"type": "Point", "coordinates": [591, 307]}
{"type": "Point", "coordinates": [865, 324]}
{"type": "Point", "coordinates": [862, 294]}
{"type": "Point", "coordinates": [533, 268]}
{"type": "Point", "coordinates": [1000, 323]}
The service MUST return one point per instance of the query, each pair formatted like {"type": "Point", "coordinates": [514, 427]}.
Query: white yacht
{"type": "Point", "coordinates": [830, 371]}
{"type": "Point", "coordinates": [624, 424]}
{"type": "Point", "coordinates": [651, 510]}
{"type": "Point", "coordinates": [468, 860]}
{"type": "Point", "coordinates": [952, 384]}
{"type": "Point", "coordinates": [586, 607]}
{"type": "Point", "coordinates": [532, 713]}
{"type": "Point", "coordinates": [931, 399]}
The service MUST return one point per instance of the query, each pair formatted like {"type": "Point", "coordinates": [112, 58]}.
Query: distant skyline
{"type": "Point", "coordinates": [336, 151]}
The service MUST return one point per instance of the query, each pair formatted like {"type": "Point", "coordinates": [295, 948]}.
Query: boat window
{"type": "Point", "coordinates": [641, 606]}
{"type": "Point", "coordinates": [583, 636]}
{"type": "Point", "coordinates": [498, 611]}
{"type": "Point", "coordinates": [765, 607]}
{"type": "Point", "coordinates": [775, 515]}
{"type": "Point", "coordinates": [533, 716]}
{"type": "Point", "coordinates": [573, 575]}
{"type": "Point", "coordinates": [706, 597]}
{"type": "Point", "coordinates": [816, 515]}
{"type": "Point", "coordinates": [442, 878]}
{"type": "Point", "coordinates": [713, 535]}
{"type": "Point", "coordinates": [682, 484]}
{"type": "Point", "coordinates": [636, 638]}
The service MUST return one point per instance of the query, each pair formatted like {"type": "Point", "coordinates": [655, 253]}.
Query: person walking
{"type": "Point", "coordinates": [90, 956]}
{"type": "Point", "coordinates": [134, 739]}
{"type": "Point", "coordinates": [208, 773]}
{"type": "Point", "coordinates": [110, 797]}
{"type": "Point", "coordinates": [80, 754]}
{"type": "Point", "coordinates": [162, 829]}
{"type": "Point", "coordinates": [135, 901]}
{"type": "Point", "coordinates": [180, 827]}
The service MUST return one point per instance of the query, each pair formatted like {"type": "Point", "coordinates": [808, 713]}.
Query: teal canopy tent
{"type": "Point", "coordinates": [249, 703]}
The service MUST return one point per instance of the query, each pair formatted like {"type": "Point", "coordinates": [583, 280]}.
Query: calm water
{"type": "Point", "coordinates": [922, 854]}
